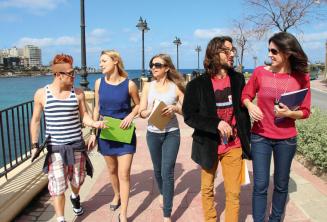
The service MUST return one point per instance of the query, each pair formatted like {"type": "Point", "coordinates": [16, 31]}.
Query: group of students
{"type": "Point", "coordinates": [218, 105]}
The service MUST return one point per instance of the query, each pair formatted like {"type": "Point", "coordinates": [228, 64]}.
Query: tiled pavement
{"type": "Point", "coordinates": [307, 200]}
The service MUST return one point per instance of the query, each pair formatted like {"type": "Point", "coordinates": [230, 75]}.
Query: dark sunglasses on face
{"type": "Point", "coordinates": [273, 51]}
{"type": "Point", "coordinates": [157, 65]}
{"type": "Point", "coordinates": [70, 74]}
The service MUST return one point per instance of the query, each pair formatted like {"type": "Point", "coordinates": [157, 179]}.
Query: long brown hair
{"type": "Point", "coordinates": [211, 63]}
{"type": "Point", "coordinates": [115, 56]}
{"type": "Point", "coordinates": [288, 44]}
{"type": "Point", "coordinates": [172, 74]}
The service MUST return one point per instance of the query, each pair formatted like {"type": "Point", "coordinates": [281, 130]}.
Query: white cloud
{"type": "Point", "coordinates": [318, 36]}
{"type": "Point", "coordinates": [9, 17]}
{"type": "Point", "coordinates": [165, 44]}
{"type": "Point", "coordinates": [33, 5]}
{"type": "Point", "coordinates": [134, 37]}
{"type": "Point", "coordinates": [98, 36]}
{"type": "Point", "coordinates": [47, 42]}
{"type": "Point", "coordinates": [210, 33]}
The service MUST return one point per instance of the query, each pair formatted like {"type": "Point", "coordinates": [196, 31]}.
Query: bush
{"type": "Point", "coordinates": [312, 141]}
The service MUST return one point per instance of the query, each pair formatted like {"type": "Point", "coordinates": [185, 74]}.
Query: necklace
{"type": "Point", "coordinates": [277, 100]}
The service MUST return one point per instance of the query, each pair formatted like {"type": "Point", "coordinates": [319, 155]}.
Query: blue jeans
{"type": "Point", "coordinates": [283, 151]}
{"type": "Point", "coordinates": [163, 150]}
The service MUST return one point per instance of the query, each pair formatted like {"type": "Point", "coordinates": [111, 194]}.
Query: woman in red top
{"type": "Point", "coordinates": [288, 72]}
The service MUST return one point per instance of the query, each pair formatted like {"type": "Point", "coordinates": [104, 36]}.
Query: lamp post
{"type": "Point", "coordinates": [177, 42]}
{"type": "Point", "coordinates": [198, 50]}
{"type": "Point", "coordinates": [143, 27]}
{"type": "Point", "coordinates": [84, 83]}
{"type": "Point", "coordinates": [255, 58]}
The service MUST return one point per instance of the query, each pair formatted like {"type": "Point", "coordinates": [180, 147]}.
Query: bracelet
{"type": "Point", "coordinates": [93, 131]}
{"type": "Point", "coordinates": [35, 145]}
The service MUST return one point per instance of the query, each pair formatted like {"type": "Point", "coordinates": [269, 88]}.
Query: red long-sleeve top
{"type": "Point", "coordinates": [266, 87]}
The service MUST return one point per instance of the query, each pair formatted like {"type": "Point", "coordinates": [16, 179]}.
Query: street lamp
{"type": "Point", "coordinates": [177, 42]}
{"type": "Point", "coordinates": [142, 26]}
{"type": "Point", "coordinates": [84, 83]}
{"type": "Point", "coordinates": [255, 58]}
{"type": "Point", "coordinates": [198, 50]}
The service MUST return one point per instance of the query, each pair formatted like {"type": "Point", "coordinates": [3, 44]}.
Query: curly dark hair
{"type": "Point", "coordinates": [211, 61]}
{"type": "Point", "coordinates": [288, 44]}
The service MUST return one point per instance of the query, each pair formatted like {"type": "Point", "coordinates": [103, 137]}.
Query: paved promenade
{"type": "Point", "coordinates": [307, 200]}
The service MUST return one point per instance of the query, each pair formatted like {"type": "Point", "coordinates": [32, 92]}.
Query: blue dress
{"type": "Point", "coordinates": [115, 101]}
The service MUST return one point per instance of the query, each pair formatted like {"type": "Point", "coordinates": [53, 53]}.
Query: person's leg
{"type": "Point", "coordinates": [231, 163]}
{"type": "Point", "coordinates": [284, 152]}
{"type": "Point", "coordinates": [170, 149]}
{"type": "Point", "coordinates": [76, 175]}
{"type": "Point", "coordinates": [124, 173]}
{"type": "Point", "coordinates": [155, 141]}
{"type": "Point", "coordinates": [261, 150]}
{"type": "Point", "coordinates": [57, 184]}
{"type": "Point", "coordinates": [112, 165]}
{"type": "Point", "coordinates": [207, 193]}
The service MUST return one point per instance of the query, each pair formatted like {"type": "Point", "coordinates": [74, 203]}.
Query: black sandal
{"type": "Point", "coordinates": [114, 207]}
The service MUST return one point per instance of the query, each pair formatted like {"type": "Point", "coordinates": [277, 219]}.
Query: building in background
{"type": "Point", "coordinates": [33, 55]}
{"type": "Point", "coordinates": [21, 58]}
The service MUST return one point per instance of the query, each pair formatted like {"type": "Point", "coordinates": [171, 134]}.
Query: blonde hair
{"type": "Point", "coordinates": [172, 74]}
{"type": "Point", "coordinates": [115, 56]}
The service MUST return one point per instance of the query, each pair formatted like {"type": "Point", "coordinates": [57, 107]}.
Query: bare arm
{"type": "Point", "coordinates": [180, 99]}
{"type": "Point", "coordinates": [169, 110]}
{"type": "Point", "coordinates": [87, 120]}
{"type": "Point", "coordinates": [143, 110]}
{"type": "Point", "coordinates": [36, 117]}
{"type": "Point", "coordinates": [133, 92]}
{"type": "Point", "coordinates": [96, 102]}
{"type": "Point", "coordinates": [254, 111]}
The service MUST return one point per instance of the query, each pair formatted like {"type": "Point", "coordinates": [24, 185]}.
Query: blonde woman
{"type": "Point", "coordinates": [164, 144]}
{"type": "Point", "coordinates": [113, 95]}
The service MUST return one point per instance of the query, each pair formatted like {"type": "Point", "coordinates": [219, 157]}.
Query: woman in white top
{"type": "Point", "coordinates": [168, 86]}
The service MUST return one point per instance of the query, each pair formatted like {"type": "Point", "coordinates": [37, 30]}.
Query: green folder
{"type": "Point", "coordinates": [114, 133]}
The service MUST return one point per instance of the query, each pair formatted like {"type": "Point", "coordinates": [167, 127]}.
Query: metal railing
{"type": "Point", "coordinates": [15, 141]}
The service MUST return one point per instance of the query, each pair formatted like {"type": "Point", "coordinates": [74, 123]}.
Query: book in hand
{"type": "Point", "coordinates": [292, 100]}
{"type": "Point", "coordinates": [41, 148]}
{"type": "Point", "coordinates": [156, 118]}
{"type": "Point", "coordinates": [113, 132]}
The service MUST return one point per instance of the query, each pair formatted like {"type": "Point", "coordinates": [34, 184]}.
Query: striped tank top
{"type": "Point", "coordinates": [62, 118]}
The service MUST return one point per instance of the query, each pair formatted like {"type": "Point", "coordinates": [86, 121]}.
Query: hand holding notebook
{"type": "Point", "coordinates": [113, 131]}
{"type": "Point", "coordinates": [292, 100]}
{"type": "Point", "coordinates": [156, 118]}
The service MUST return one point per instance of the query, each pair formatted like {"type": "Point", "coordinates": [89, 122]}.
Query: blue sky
{"type": "Point", "coordinates": [54, 25]}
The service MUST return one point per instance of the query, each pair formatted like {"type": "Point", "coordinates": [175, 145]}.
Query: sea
{"type": "Point", "coordinates": [17, 90]}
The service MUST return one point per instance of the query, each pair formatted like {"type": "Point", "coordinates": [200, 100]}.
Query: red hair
{"type": "Point", "coordinates": [62, 58]}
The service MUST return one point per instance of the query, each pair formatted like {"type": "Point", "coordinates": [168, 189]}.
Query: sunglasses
{"type": "Point", "coordinates": [157, 65]}
{"type": "Point", "coordinates": [229, 51]}
{"type": "Point", "coordinates": [70, 74]}
{"type": "Point", "coordinates": [273, 51]}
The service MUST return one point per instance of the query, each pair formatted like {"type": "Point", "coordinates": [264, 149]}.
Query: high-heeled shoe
{"type": "Point", "coordinates": [114, 207]}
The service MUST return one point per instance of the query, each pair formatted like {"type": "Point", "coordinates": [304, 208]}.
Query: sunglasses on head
{"type": "Point", "coordinates": [70, 74]}
{"type": "Point", "coordinates": [157, 65]}
{"type": "Point", "coordinates": [273, 51]}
